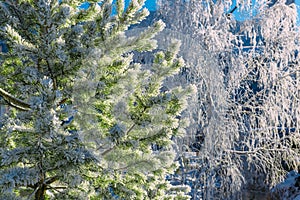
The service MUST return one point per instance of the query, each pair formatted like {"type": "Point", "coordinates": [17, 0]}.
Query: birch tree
{"type": "Point", "coordinates": [244, 117]}
{"type": "Point", "coordinates": [83, 117]}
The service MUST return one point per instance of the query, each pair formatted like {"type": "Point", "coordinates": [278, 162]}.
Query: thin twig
{"type": "Point", "coordinates": [107, 151]}
{"type": "Point", "coordinates": [253, 151]}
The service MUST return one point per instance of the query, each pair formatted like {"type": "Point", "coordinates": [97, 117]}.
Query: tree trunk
{"type": "Point", "coordinates": [40, 193]}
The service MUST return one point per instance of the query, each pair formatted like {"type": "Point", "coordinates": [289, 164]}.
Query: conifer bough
{"type": "Point", "coordinates": [13, 101]}
{"type": "Point", "coordinates": [76, 66]}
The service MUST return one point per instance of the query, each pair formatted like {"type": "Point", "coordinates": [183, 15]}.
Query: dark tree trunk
{"type": "Point", "coordinates": [40, 193]}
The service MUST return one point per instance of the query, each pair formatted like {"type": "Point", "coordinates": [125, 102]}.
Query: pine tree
{"type": "Point", "coordinates": [84, 119]}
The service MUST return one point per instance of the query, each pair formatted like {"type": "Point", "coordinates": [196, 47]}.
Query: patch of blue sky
{"type": "Point", "coordinates": [84, 6]}
{"type": "Point", "coordinates": [242, 14]}
{"type": "Point", "coordinates": [149, 4]}
{"type": "Point", "coordinates": [297, 2]}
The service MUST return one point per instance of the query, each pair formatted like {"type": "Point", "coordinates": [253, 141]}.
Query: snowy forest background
{"type": "Point", "coordinates": [107, 101]}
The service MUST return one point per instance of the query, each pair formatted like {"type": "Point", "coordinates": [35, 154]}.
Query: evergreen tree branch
{"type": "Point", "coordinates": [16, 11]}
{"type": "Point", "coordinates": [131, 128]}
{"type": "Point", "coordinates": [13, 101]}
{"type": "Point", "coordinates": [33, 193]}
{"type": "Point", "coordinates": [51, 180]}
{"type": "Point", "coordinates": [23, 129]}
{"type": "Point", "coordinates": [133, 164]}
{"type": "Point", "coordinates": [57, 188]}
{"type": "Point", "coordinates": [107, 151]}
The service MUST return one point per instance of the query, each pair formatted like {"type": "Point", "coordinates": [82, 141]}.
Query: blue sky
{"type": "Point", "coordinates": [151, 4]}
{"type": "Point", "coordinates": [298, 9]}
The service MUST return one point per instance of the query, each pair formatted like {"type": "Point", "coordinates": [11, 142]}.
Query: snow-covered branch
{"type": "Point", "coordinates": [13, 101]}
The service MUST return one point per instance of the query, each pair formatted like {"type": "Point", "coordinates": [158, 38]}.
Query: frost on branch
{"type": "Point", "coordinates": [244, 120]}
{"type": "Point", "coordinates": [85, 120]}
